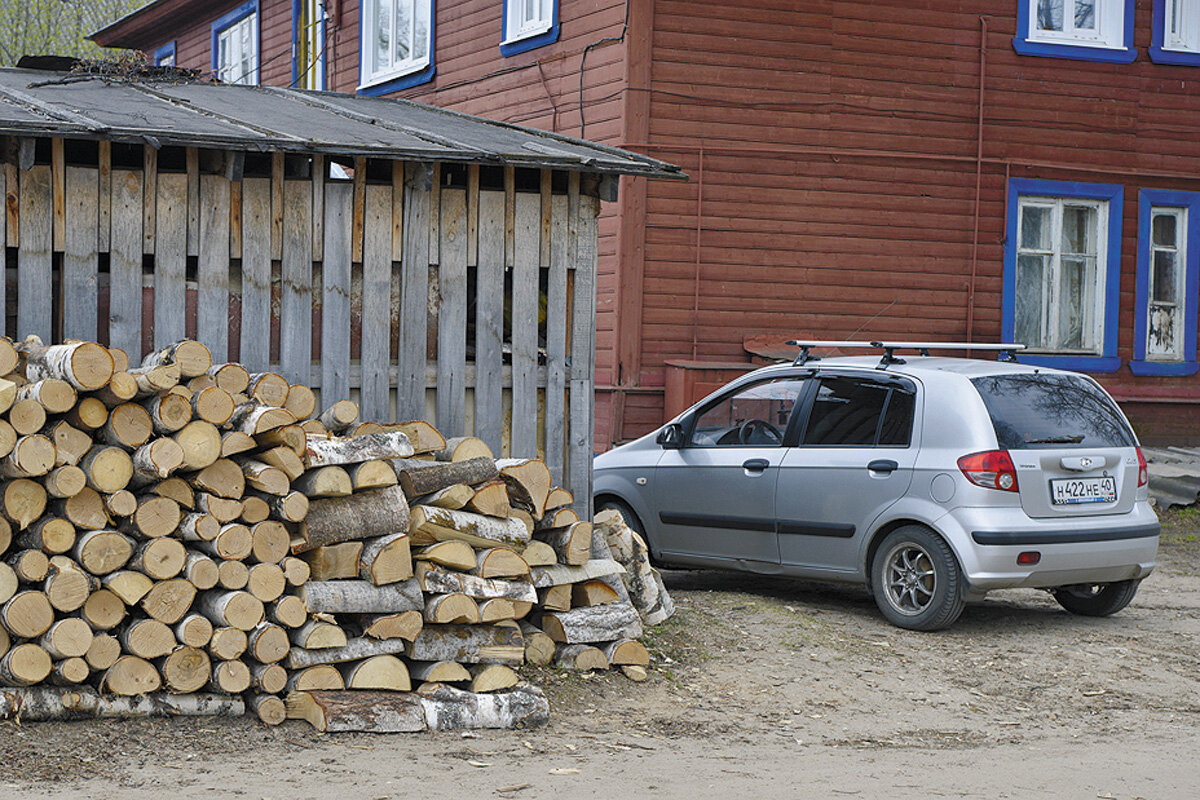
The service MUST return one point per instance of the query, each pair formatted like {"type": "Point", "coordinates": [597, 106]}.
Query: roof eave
{"type": "Point", "coordinates": [137, 29]}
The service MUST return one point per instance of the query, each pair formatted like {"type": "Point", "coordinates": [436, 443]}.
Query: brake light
{"type": "Point", "coordinates": [991, 470]}
{"type": "Point", "coordinates": [1143, 469]}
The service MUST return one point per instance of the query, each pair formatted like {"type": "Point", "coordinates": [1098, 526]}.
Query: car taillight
{"type": "Point", "coordinates": [991, 470]}
{"type": "Point", "coordinates": [1143, 469]}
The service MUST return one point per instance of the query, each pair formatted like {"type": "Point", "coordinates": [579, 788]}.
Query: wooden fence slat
{"type": "Point", "coordinates": [582, 243]}
{"type": "Point", "coordinates": [435, 217]}
{"type": "Point", "coordinates": [212, 272]}
{"type": "Point", "coordinates": [360, 199]}
{"type": "Point", "coordinates": [397, 211]}
{"type": "Point", "coordinates": [376, 296]}
{"type": "Point", "coordinates": [295, 307]}
{"type": "Point", "coordinates": [452, 315]}
{"type": "Point", "coordinates": [318, 207]}
{"type": "Point", "coordinates": [276, 207]}
{"type": "Point", "coordinates": [414, 294]}
{"type": "Point", "coordinates": [58, 171]}
{"type": "Point", "coordinates": [556, 340]}
{"type": "Point", "coordinates": [524, 316]}
{"type": "Point", "coordinates": [472, 215]}
{"type": "Point", "coordinates": [170, 259]}
{"type": "Point", "coordinates": [193, 201]}
{"type": "Point", "coordinates": [103, 209]}
{"type": "Point", "coordinates": [489, 320]}
{"type": "Point", "coordinates": [149, 198]}
{"type": "Point", "coordinates": [34, 277]}
{"type": "Point", "coordinates": [256, 274]}
{"type": "Point", "coordinates": [125, 265]}
{"type": "Point", "coordinates": [335, 304]}
{"type": "Point", "coordinates": [11, 205]}
{"type": "Point", "coordinates": [235, 219]}
{"type": "Point", "coordinates": [80, 260]}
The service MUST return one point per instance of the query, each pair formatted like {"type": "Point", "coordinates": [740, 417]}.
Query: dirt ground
{"type": "Point", "coordinates": [772, 687]}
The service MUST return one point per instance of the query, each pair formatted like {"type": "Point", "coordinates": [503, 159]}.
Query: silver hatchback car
{"type": "Point", "coordinates": [931, 480]}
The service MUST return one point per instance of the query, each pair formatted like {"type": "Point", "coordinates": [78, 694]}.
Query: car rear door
{"type": "Point", "coordinates": [715, 496]}
{"type": "Point", "coordinates": [855, 458]}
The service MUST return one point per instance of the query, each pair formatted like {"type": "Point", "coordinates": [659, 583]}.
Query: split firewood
{"type": "Point", "coordinates": [232, 575]}
{"type": "Point", "coordinates": [361, 597]}
{"type": "Point", "coordinates": [227, 643]}
{"type": "Point", "coordinates": [581, 657]}
{"type": "Point", "coordinates": [439, 672]}
{"type": "Point", "coordinates": [266, 582]}
{"type": "Point", "coordinates": [67, 586]}
{"type": "Point", "coordinates": [254, 509]}
{"type": "Point", "coordinates": [201, 444]}
{"type": "Point", "coordinates": [231, 677]}
{"type": "Point", "coordinates": [492, 678]}
{"type": "Point", "coordinates": [293, 437]}
{"type": "Point", "coordinates": [147, 638]}
{"type": "Point", "coordinates": [154, 380]}
{"type": "Point", "coordinates": [256, 418]}
{"type": "Point", "coordinates": [192, 357]}
{"type": "Point", "coordinates": [168, 601]}
{"type": "Point", "coordinates": [51, 535]}
{"type": "Point", "coordinates": [26, 417]}
{"type": "Point", "coordinates": [269, 678]}
{"type": "Point", "coordinates": [454, 554]}
{"type": "Point", "coordinates": [265, 478]}
{"type": "Point", "coordinates": [70, 443]}
{"type": "Point", "coordinates": [452, 497]}
{"type": "Point", "coordinates": [469, 644]}
{"type": "Point", "coordinates": [121, 388]}
{"type": "Point", "coordinates": [84, 509]}
{"type": "Point", "coordinates": [222, 477]}
{"type": "Point", "coordinates": [270, 541]}
{"type": "Point", "coordinates": [212, 404]}
{"type": "Point", "coordinates": [385, 559]}
{"type": "Point", "coordinates": [453, 607]}
{"type": "Point", "coordinates": [382, 672]}
{"type": "Point", "coordinates": [160, 559]}
{"type": "Point", "coordinates": [501, 608]}
{"type": "Point", "coordinates": [557, 518]}
{"type": "Point", "coordinates": [87, 366]}
{"type": "Point", "coordinates": [284, 458]}
{"type": "Point", "coordinates": [317, 635]}
{"type": "Point", "coordinates": [371, 475]}
{"type": "Point", "coordinates": [491, 498]}
{"type": "Point", "coordinates": [103, 551]}
{"type": "Point", "coordinates": [561, 573]}
{"type": "Point", "coordinates": [339, 416]}
{"type": "Point", "coordinates": [462, 448]}
{"type": "Point", "coordinates": [424, 437]}
{"type": "Point", "coordinates": [404, 625]}
{"type": "Point", "coordinates": [268, 643]}
{"type": "Point", "coordinates": [431, 524]}
{"type": "Point", "coordinates": [222, 509]}
{"type": "Point", "coordinates": [128, 585]}
{"type": "Point", "coordinates": [436, 579]}
{"type": "Point", "coordinates": [185, 669]}
{"type": "Point", "coordinates": [572, 544]}
{"type": "Point", "coordinates": [54, 395]}
{"type": "Point", "coordinates": [288, 611]}
{"type": "Point", "coordinates": [25, 665]}
{"type": "Point", "coordinates": [235, 443]}
{"type": "Point", "coordinates": [269, 709]}
{"type": "Point", "coordinates": [364, 515]}
{"type": "Point", "coordinates": [528, 482]}
{"type": "Point", "coordinates": [240, 610]}
{"type": "Point", "coordinates": [67, 638]}
{"type": "Point", "coordinates": [30, 565]}
{"type": "Point", "coordinates": [326, 482]}
{"type": "Point", "coordinates": [233, 378]}
{"type": "Point", "coordinates": [593, 593]}
{"type": "Point", "coordinates": [337, 450]}
{"type": "Point", "coordinates": [194, 630]}
{"type": "Point", "coordinates": [539, 554]}
{"type": "Point", "coordinates": [103, 610]}
{"type": "Point", "coordinates": [321, 676]}
{"type": "Point", "coordinates": [178, 490]}
{"type": "Point", "coordinates": [354, 650]}
{"type": "Point", "coordinates": [539, 648]}
{"type": "Point", "coordinates": [419, 477]}
{"type": "Point", "coordinates": [104, 652]}
{"type": "Point", "coordinates": [334, 562]}
{"type": "Point", "coordinates": [627, 652]}
{"type": "Point", "coordinates": [6, 534]}
{"type": "Point", "coordinates": [592, 624]}
{"type": "Point", "coordinates": [121, 504]}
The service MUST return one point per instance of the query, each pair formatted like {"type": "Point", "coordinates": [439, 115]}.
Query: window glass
{"type": "Point", "coordinates": [1181, 23]}
{"type": "Point", "coordinates": [1095, 23]}
{"type": "Point", "coordinates": [1164, 336]}
{"type": "Point", "coordinates": [1046, 411]}
{"type": "Point", "coordinates": [527, 18]}
{"type": "Point", "coordinates": [396, 38]}
{"type": "Point", "coordinates": [237, 51]}
{"type": "Point", "coordinates": [310, 45]}
{"type": "Point", "coordinates": [754, 416]}
{"type": "Point", "coordinates": [896, 430]}
{"type": "Point", "coordinates": [846, 411]}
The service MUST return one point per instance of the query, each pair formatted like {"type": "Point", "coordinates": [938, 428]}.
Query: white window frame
{"type": "Point", "coordinates": [1093, 328]}
{"type": "Point", "coordinates": [1181, 26]}
{"type": "Point", "coordinates": [369, 75]}
{"type": "Point", "coordinates": [310, 31]}
{"type": "Point", "coordinates": [236, 40]}
{"type": "Point", "coordinates": [1109, 31]}
{"type": "Point", "coordinates": [1178, 308]}
{"type": "Point", "coordinates": [520, 24]}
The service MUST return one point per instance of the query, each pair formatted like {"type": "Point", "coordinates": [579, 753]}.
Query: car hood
{"type": "Point", "coordinates": [639, 452]}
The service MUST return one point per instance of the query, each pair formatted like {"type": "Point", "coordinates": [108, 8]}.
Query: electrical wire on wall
{"type": "Point", "coordinates": [583, 63]}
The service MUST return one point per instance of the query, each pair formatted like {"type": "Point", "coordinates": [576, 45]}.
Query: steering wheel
{"type": "Point", "coordinates": [751, 427]}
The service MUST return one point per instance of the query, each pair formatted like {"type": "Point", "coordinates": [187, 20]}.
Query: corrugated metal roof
{"type": "Point", "coordinates": [220, 116]}
{"type": "Point", "coordinates": [1174, 475]}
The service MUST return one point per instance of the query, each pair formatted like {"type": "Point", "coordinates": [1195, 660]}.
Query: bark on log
{"type": "Point", "coordinates": [385, 559]}
{"type": "Point", "coordinates": [197, 527]}
{"type": "Point", "coordinates": [528, 482]}
{"type": "Point", "coordinates": [572, 544]}
{"type": "Point", "coordinates": [464, 448]}
{"type": "Point", "coordinates": [425, 477]}
{"type": "Point", "coordinates": [447, 708]}
{"type": "Point", "coordinates": [167, 413]}
{"type": "Point", "coordinates": [69, 671]}
{"type": "Point", "coordinates": [268, 388]}
{"type": "Point", "coordinates": [269, 678]}
{"type": "Point", "coordinates": [373, 712]}
{"type": "Point", "coordinates": [46, 703]}
{"type": "Point", "coordinates": [185, 669]}
{"type": "Point", "coordinates": [54, 395]}
{"type": "Point", "coordinates": [433, 578]}
{"type": "Point", "coordinates": [337, 450]}
{"type": "Point", "coordinates": [431, 524]}
{"type": "Point", "coordinates": [292, 507]}
{"type": "Point", "coordinates": [256, 418]}
{"type": "Point", "coordinates": [154, 380]}
{"type": "Point", "coordinates": [293, 437]}
{"type": "Point", "coordinates": [339, 416]}
{"type": "Point", "coordinates": [581, 657]}
{"type": "Point", "coordinates": [592, 624]}
{"type": "Point", "coordinates": [643, 583]}
{"type": "Point", "coordinates": [365, 515]}
{"type": "Point", "coordinates": [361, 597]}
{"type": "Point", "coordinates": [560, 573]}
{"type": "Point", "coordinates": [539, 648]}
{"type": "Point", "coordinates": [192, 357]}
{"type": "Point", "coordinates": [354, 650]}
{"type": "Point", "coordinates": [240, 610]}
{"type": "Point", "coordinates": [51, 535]}
{"type": "Point", "coordinates": [85, 365]}
{"type": "Point", "coordinates": [500, 643]}
{"type": "Point", "coordinates": [200, 571]}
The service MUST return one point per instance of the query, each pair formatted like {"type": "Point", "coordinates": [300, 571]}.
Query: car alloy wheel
{"type": "Point", "coordinates": [910, 580]}
{"type": "Point", "coordinates": [916, 580]}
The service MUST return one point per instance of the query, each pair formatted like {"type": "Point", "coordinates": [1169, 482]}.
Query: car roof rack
{"type": "Point", "coordinates": [1004, 351]}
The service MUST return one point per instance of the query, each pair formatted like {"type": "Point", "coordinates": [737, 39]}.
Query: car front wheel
{"type": "Point", "coordinates": [916, 580]}
{"type": "Point", "coordinates": [1096, 599]}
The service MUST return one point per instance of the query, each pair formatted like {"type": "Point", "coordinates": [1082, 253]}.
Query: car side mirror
{"type": "Point", "coordinates": [671, 437]}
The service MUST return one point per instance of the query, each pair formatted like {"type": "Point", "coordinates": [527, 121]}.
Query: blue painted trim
{"type": "Point", "coordinates": [403, 81]}
{"type": "Point", "coordinates": [1147, 199]}
{"type": "Point", "coordinates": [529, 42]}
{"type": "Point", "coordinates": [166, 50]}
{"type": "Point", "coordinates": [1115, 195]}
{"type": "Point", "coordinates": [1024, 45]}
{"type": "Point", "coordinates": [1158, 35]}
{"type": "Point", "coordinates": [232, 18]}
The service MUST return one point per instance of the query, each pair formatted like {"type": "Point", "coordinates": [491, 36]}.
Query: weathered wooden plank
{"type": "Point", "coordinates": [397, 211]}
{"type": "Point", "coordinates": [335, 304]}
{"type": "Point", "coordinates": [170, 259]}
{"type": "Point", "coordinates": [149, 198]}
{"type": "Point", "coordinates": [473, 215]}
{"type": "Point", "coordinates": [256, 274]}
{"type": "Point", "coordinates": [435, 218]}
{"type": "Point", "coordinates": [583, 347]}
{"type": "Point", "coordinates": [104, 205]}
{"type": "Point", "coordinates": [318, 207]}
{"type": "Point", "coordinates": [193, 201]}
{"type": "Point", "coordinates": [510, 210]}
{"type": "Point", "coordinates": [212, 272]}
{"type": "Point", "coordinates": [80, 260]}
{"type": "Point", "coordinates": [235, 219]}
{"type": "Point", "coordinates": [276, 207]}
{"type": "Point", "coordinates": [360, 200]}
{"type": "Point", "coordinates": [489, 320]}
{"type": "Point", "coordinates": [34, 281]}
{"type": "Point", "coordinates": [376, 296]}
{"type": "Point", "coordinates": [544, 232]}
{"type": "Point", "coordinates": [58, 169]}
{"type": "Point", "coordinates": [125, 264]}
{"type": "Point", "coordinates": [556, 339]}
{"type": "Point", "coordinates": [295, 307]}
{"type": "Point", "coordinates": [452, 315]}
{"type": "Point", "coordinates": [414, 293]}
{"type": "Point", "coordinates": [12, 219]}
{"type": "Point", "coordinates": [525, 290]}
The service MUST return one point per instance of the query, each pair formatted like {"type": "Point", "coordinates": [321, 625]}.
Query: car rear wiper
{"type": "Point", "coordinates": [1074, 439]}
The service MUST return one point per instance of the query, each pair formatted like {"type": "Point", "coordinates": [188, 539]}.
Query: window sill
{"type": "Point", "coordinates": [1078, 52]}
{"type": "Point", "coordinates": [529, 41]}
{"type": "Point", "coordinates": [394, 82]}
{"type": "Point", "coordinates": [1178, 368]}
{"type": "Point", "coordinates": [1075, 363]}
{"type": "Point", "coordinates": [1183, 58]}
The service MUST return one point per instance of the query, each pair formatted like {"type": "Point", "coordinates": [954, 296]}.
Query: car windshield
{"type": "Point", "coordinates": [1042, 411]}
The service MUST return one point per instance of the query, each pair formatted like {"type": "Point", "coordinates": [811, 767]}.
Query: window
{"type": "Point", "coordinates": [753, 416]}
{"type": "Point", "coordinates": [165, 55]}
{"type": "Point", "coordinates": [397, 44]}
{"type": "Point", "coordinates": [528, 24]}
{"type": "Point", "coordinates": [1091, 30]}
{"type": "Point", "coordinates": [1175, 36]}
{"type": "Point", "coordinates": [1168, 283]}
{"type": "Point", "coordinates": [308, 44]}
{"type": "Point", "coordinates": [851, 412]}
{"type": "Point", "coordinates": [235, 45]}
{"type": "Point", "coordinates": [1051, 411]}
{"type": "Point", "coordinates": [1062, 273]}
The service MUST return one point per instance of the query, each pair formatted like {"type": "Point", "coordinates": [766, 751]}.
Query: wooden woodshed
{"type": "Point", "coordinates": [426, 263]}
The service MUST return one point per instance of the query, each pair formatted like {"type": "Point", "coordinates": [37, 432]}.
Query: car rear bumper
{"type": "Point", "coordinates": [1081, 550]}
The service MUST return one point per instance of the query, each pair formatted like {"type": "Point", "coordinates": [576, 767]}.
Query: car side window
{"type": "Point", "coordinates": [754, 416]}
{"type": "Point", "coordinates": [850, 412]}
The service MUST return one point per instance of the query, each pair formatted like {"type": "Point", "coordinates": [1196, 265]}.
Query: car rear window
{"type": "Point", "coordinates": [1042, 411]}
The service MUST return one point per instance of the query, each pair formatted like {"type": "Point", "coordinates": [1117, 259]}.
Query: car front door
{"type": "Point", "coordinates": [715, 496]}
{"type": "Point", "coordinates": [855, 458]}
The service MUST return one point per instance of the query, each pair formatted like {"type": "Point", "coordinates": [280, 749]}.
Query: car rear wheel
{"type": "Point", "coordinates": [1096, 599]}
{"type": "Point", "coordinates": [916, 580]}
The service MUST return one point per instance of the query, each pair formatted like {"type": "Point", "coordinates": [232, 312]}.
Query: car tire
{"type": "Point", "coordinates": [1098, 599]}
{"type": "Point", "coordinates": [916, 580]}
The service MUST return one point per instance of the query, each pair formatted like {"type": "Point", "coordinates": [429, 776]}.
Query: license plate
{"type": "Point", "coordinates": [1075, 491]}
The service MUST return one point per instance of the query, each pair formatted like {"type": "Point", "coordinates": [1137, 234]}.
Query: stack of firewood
{"type": "Point", "coordinates": [189, 527]}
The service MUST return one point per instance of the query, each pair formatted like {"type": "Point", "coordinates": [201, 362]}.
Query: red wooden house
{"type": "Point", "coordinates": [1023, 169]}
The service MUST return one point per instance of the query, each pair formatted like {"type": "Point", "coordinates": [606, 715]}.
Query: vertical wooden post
{"type": "Point", "coordinates": [414, 293]}
{"type": "Point", "coordinates": [556, 339]}
{"type": "Point", "coordinates": [212, 273]}
{"type": "Point", "coordinates": [335, 306]}
{"type": "Point", "coordinates": [376, 296]}
{"type": "Point", "coordinates": [524, 316]}
{"type": "Point", "coordinates": [149, 198]}
{"type": "Point", "coordinates": [583, 346]}
{"type": "Point", "coordinates": [80, 260]}
{"type": "Point", "coordinates": [193, 201]}
{"type": "Point", "coordinates": [34, 280]}
{"type": "Point", "coordinates": [489, 320]}
{"type": "Point", "coordinates": [256, 274]}
{"type": "Point", "coordinates": [452, 315]}
{"type": "Point", "coordinates": [58, 169]}
{"type": "Point", "coordinates": [170, 259]}
{"type": "Point", "coordinates": [125, 265]}
{"type": "Point", "coordinates": [103, 208]}
{"type": "Point", "coordinates": [295, 308]}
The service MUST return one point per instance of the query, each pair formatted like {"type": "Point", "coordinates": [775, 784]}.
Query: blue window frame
{"type": "Point", "coordinates": [1062, 273]}
{"type": "Point", "coordinates": [396, 41]}
{"type": "Point", "coordinates": [235, 46]}
{"type": "Point", "coordinates": [165, 55]}
{"type": "Point", "coordinates": [1168, 283]}
{"type": "Point", "coordinates": [1175, 32]}
{"type": "Point", "coordinates": [308, 44]}
{"type": "Point", "coordinates": [527, 24]}
{"type": "Point", "coordinates": [1085, 30]}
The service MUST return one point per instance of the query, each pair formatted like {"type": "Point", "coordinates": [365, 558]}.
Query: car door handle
{"type": "Point", "coordinates": [755, 464]}
{"type": "Point", "coordinates": [883, 465]}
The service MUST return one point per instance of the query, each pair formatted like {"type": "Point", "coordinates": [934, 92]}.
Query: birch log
{"type": "Point", "coordinates": [592, 624]}
{"type": "Point", "coordinates": [378, 512]}
{"type": "Point", "coordinates": [431, 524]}
{"type": "Point", "coordinates": [361, 597]}
{"type": "Point", "coordinates": [325, 451]}
{"type": "Point", "coordinates": [47, 703]}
